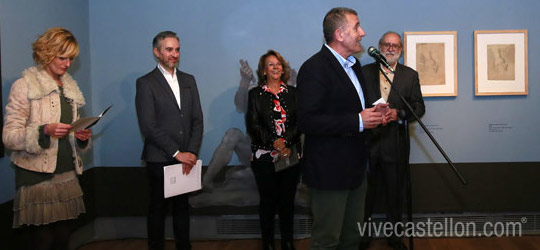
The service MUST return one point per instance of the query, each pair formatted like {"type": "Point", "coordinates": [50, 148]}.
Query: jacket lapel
{"type": "Point", "coordinates": [395, 83]}
{"type": "Point", "coordinates": [376, 75]}
{"type": "Point", "coordinates": [184, 91]}
{"type": "Point", "coordinates": [357, 68]}
{"type": "Point", "coordinates": [343, 77]}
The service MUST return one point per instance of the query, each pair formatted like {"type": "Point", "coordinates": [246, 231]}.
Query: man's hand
{"type": "Point", "coordinates": [391, 115]}
{"type": "Point", "coordinates": [383, 108]}
{"type": "Point", "coordinates": [186, 158]}
{"type": "Point", "coordinates": [371, 118]}
{"type": "Point", "coordinates": [186, 168]}
{"type": "Point", "coordinates": [57, 130]}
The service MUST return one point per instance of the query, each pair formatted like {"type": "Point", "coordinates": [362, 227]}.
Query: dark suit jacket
{"type": "Point", "coordinates": [384, 139]}
{"type": "Point", "coordinates": [167, 128]}
{"type": "Point", "coordinates": [335, 152]}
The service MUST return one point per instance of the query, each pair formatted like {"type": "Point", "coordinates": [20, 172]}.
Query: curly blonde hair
{"type": "Point", "coordinates": [55, 42]}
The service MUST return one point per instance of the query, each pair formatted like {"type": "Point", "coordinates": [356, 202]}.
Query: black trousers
{"type": "Point", "coordinates": [386, 182]}
{"type": "Point", "coordinates": [158, 211]}
{"type": "Point", "coordinates": [277, 191]}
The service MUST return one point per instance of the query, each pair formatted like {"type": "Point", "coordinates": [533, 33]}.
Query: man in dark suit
{"type": "Point", "coordinates": [334, 117]}
{"type": "Point", "coordinates": [388, 142]}
{"type": "Point", "coordinates": [171, 121]}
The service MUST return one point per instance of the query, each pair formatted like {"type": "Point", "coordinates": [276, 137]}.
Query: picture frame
{"type": "Point", "coordinates": [500, 62]}
{"type": "Point", "coordinates": [433, 54]}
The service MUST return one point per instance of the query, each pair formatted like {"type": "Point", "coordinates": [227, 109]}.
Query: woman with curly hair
{"type": "Point", "coordinates": [44, 148]}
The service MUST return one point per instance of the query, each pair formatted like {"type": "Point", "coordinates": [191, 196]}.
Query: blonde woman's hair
{"type": "Point", "coordinates": [55, 42]}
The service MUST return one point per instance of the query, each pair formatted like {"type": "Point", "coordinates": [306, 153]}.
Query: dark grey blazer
{"type": "Point", "coordinates": [167, 128]}
{"type": "Point", "coordinates": [335, 152]}
{"type": "Point", "coordinates": [384, 140]}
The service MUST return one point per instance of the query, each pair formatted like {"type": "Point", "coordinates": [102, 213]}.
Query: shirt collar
{"type": "Point", "coordinates": [165, 72]}
{"type": "Point", "coordinates": [282, 87]}
{"type": "Point", "coordinates": [345, 63]}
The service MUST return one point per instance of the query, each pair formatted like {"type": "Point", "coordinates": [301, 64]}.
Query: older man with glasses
{"type": "Point", "coordinates": [388, 142]}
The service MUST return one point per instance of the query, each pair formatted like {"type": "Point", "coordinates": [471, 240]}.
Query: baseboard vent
{"type": "Point", "coordinates": [248, 225]}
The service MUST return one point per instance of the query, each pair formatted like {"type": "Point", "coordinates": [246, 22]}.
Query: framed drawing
{"type": "Point", "coordinates": [434, 55]}
{"type": "Point", "coordinates": [500, 62]}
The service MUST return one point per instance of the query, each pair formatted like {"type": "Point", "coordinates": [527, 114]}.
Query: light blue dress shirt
{"type": "Point", "coordinates": [347, 66]}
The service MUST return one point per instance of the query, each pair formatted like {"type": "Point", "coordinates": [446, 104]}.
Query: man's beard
{"type": "Point", "coordinates": [172, 65]}
{"type": "Point", "coordinates": [392, 60]}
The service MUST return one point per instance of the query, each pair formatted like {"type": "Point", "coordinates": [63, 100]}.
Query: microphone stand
{"type": "Point", "coordinates": [405, 158]}
{"type": "Point", "coordinates": [410, 109]}
{"type": "Point", "coordinates": [403, 117]}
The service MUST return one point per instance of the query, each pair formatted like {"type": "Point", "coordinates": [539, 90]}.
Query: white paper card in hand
{"type": "Point", "coordinates": [176, 183]}
{"type": "Point", "coordinates": [380, 101]}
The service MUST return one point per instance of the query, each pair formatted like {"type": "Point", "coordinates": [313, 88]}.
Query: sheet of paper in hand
{"type": "Point", "coordinates": [380, 101]}
{"type": "Point", "coordinates": [176, 183]}
{"type": "Point", "coordinates": [87, 122]}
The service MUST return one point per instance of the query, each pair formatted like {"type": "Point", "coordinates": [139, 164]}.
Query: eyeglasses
{"type": "Point", "coordinates": [271, 65]}
{"type": "Point", "coordinates": [390, 45]}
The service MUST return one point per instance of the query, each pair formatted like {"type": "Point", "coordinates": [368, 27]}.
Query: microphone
{"type": "Point", "coordinates": [373, 52]}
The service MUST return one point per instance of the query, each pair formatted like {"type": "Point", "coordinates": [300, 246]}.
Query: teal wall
{"type": "Point", "coordinates": [116, 37]}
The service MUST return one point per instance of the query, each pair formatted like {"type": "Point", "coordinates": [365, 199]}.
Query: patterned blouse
{"type": "Point", "coordinates": [280, 117]}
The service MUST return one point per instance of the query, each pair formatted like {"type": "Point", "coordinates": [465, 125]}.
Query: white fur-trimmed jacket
{"type": "Point", "coordinates": [33, 101]}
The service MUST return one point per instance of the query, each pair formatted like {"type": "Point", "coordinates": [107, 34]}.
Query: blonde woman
{"type": "Point", "coordinates": [44, 149]}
